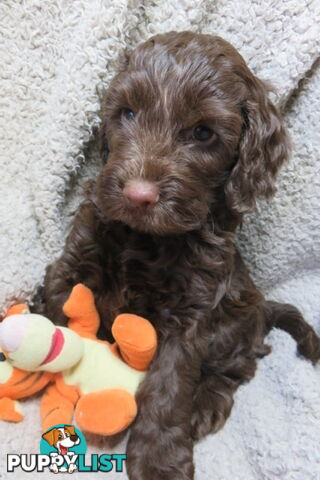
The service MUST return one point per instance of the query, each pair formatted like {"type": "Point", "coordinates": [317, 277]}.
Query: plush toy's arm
{"type": "Point", "coordinates": [81, 311]}
{"type": "Point", "coordinates": [57, 405]}
{"type": "Point", "coordinates": [136, 338]}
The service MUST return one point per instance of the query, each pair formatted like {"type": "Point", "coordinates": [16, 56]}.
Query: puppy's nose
{"type": "Point", "coordinates": [141, 193]}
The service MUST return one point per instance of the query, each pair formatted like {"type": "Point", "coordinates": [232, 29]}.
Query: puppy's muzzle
{"type": "Point", "coordinates": [141, 193]}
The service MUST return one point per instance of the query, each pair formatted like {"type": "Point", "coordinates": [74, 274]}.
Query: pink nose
{"type": "Point", "coordinates": [141, 193]}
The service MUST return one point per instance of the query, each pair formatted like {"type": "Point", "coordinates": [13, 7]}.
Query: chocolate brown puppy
{"type": "Point", "coordinates": [189, 141]}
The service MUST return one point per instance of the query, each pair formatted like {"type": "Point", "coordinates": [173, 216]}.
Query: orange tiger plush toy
{"type": "Point", "coordinates": [92, 379]}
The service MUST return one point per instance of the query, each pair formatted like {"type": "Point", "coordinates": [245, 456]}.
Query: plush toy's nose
{"type": "Point", "coordinates": [12, 331]}
{"type": "Point", "coordinates": [141, 193]}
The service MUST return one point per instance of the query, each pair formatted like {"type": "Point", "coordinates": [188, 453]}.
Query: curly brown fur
{"type": "Point", "coordinates": [174, 260]}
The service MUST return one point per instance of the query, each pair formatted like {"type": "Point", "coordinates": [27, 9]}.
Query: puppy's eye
{"type": "Point", "coordinates": [202, 133]}
{"type": "Point", "coordinates": [128, 114]}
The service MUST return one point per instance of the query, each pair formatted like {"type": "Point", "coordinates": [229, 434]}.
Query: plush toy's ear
{"type": "Point", "coordinates": [17, 309]}
{"type": "Point", "coordinates": [263, 148]}
{"type": "Point", "coordinates": [50, 436]}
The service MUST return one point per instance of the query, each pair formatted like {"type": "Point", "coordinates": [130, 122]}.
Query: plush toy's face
{"type": "Point", "coordinates": [32, 342]}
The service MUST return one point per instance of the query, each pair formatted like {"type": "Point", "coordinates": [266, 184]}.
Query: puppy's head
{"type": "Point", "coordinates": [62, 438]}
{"type": "Point", "coordinates": [188, 132]}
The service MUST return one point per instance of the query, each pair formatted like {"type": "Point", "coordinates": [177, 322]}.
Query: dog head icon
{"type": "Point", "coordinates": [62, 438]}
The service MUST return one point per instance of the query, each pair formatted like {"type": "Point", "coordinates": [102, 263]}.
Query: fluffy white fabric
{"type": "Point", "coordinates": [56, 58]}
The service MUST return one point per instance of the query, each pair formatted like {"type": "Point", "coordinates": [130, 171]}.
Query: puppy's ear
{"type": "Point", "coordinates": [50, 436]}
{"type": "Point", "coordinates": [263, 148]}
{"type": "Point", "coordinates": [70, 429]}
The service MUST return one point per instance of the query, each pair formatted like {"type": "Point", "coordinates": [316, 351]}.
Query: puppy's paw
{"type": "Point", "coordinates": [72, 468]}
{"type": "Point", "coordinates": [205, 422]}
{"type": "Point", "coordinates": [54, 468]}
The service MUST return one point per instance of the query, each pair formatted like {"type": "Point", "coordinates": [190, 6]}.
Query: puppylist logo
{"type": "Point", "coordinates": [62, 450]}
{"type": "Point", "coordinates": [63, 444]}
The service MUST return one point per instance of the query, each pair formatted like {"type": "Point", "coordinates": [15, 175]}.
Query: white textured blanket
{"type": "Point", "coordinates": [56, 57]}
